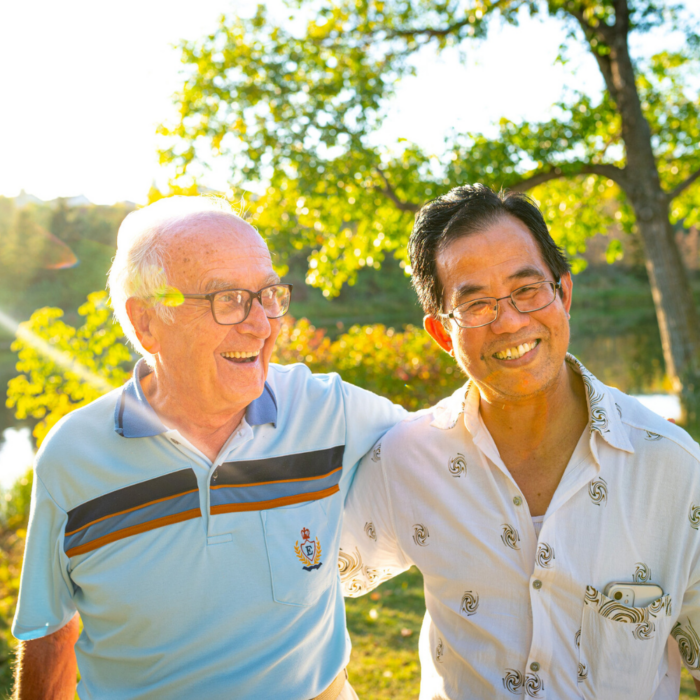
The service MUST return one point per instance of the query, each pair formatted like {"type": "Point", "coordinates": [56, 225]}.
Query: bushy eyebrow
{"type": "Point", "coordinates": [468, 289]}
{"type": "Point", "coordinates": [218, 285]}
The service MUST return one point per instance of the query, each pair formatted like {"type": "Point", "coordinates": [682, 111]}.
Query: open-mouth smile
{"type": "Point", "coordinates": [517, 351]}
{"type": "Point", "coordinates": [240, 357]}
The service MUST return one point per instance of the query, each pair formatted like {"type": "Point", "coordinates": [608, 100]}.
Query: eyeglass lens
{"type": "Point", "coordinates": [233, 306]}
{"type": "Point", "coordinates": [525, 299]}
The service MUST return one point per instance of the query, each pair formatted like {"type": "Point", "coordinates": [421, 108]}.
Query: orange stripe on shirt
{"type": "Point", "coordinates": [130, 510]}
{"type": "Point", "coordinates": [134, 530]}
{"type": "Point", "coordinates": [283, 481]}
{"type": "Point", "coordinates": [275, 503]}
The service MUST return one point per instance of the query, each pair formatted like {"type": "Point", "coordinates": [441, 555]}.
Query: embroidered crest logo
{"type": "Point", "coordinates": [309, 551]}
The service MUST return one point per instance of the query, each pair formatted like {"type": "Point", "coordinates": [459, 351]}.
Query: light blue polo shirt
{"type": "Point", "coordinates": [193, 579]}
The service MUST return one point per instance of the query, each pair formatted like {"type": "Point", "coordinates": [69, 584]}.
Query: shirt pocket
{"type": "Point", "coordinates": [622, 650]}
{"type": "Point", "coordinates": [302, 549]}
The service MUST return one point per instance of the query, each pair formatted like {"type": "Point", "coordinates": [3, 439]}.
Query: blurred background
{"type": "Point", "coordinates": [329, 124]}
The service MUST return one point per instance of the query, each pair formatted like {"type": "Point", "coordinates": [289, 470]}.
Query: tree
{"type": "Point", "coordinates": [298, 110]}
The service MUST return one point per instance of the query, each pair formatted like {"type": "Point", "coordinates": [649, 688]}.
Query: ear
{"type": "Point", "coordinates": [141, 316]}
{"type": "Point", "coordinates": [567, 288]}
{"type": "Point", "coordinates": [438, 333]}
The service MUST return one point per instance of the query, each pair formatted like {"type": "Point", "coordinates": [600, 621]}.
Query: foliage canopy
{"type": "Point", "coordinates": [296, 108]}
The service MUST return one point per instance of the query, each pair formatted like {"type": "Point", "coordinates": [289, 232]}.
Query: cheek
{"type": "Point", "coordinates": [272, 339]}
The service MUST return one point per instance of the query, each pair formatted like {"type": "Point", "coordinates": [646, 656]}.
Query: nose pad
{"type": "Point", "coordinates": [509, 319]}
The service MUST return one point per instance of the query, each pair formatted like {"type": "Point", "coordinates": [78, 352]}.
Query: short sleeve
{"type": "Point", "coordinates": [369, 549]}
{"type": "Point", "coordinates": [367, 417]}
{"type": "Point", "coordinates": [46, 591]}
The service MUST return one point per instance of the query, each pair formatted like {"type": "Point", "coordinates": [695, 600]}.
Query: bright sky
{"type": "Point", "coordinates": [84, 84]}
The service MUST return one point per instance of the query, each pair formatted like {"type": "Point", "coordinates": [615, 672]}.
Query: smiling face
{"type": "Point", "coordinates": [518, 355]}
{"type": "Point", "coordinates": [207, 366]}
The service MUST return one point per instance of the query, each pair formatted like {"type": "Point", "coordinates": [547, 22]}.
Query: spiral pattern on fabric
{"type": "Point", "coordinates": [510, 536]}
{"type": "Point", "coordinates": [470, 603]}
{"type": "Point", "coordinates": [513, 681]}
{"type": "Point", "coordinates": [370, 531]}
{"type": "Point", "coordinates": [621, 613]}
{"type": "Point", "coordinates": [533, 685]}
{"type": "Point", "coordinates": [598, 491]}
{"type": "Point", "coordinates": [688, 644]}
{"type": "Point", "coordinates": [545, 555]}
{"type": "Point", "coordinates": [457, 465]}
{"type": "Point", "coordinates": [642, 573]}
{"type": "Point", "coordinates": [349, 564]}
{"type": "Point", "coordinates": [420, 535]}
{"type": "Point", "coordinates": [592, 597]}
{"type": "Point", "coordinates": [694, 517]}
{"type": "Point", "coordinates": [582, 673]}
{"type": "Point", "coordinates": [644, 631]}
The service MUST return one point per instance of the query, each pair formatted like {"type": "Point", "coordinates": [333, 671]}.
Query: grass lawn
{"type": "Point", "coordinates": [384, 627]}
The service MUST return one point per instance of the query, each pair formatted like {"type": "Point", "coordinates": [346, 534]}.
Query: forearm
{"type": "Point", "coordinates": [46, 667]}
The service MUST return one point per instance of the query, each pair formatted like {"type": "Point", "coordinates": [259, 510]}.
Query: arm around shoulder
{"type": "Point", "coordinates": [369, 549]}
{"type": "Point", "coordinates": [46, 667]}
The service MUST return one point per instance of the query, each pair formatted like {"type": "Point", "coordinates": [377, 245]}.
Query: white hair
{"type": "Point", "coordinates": [139, 267]}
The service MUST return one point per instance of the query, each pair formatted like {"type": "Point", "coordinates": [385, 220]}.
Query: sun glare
{"type": "Point", "coordinates": [62, 359]}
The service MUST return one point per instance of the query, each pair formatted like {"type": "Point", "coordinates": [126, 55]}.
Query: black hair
{"type": "Point", "coordinates": [463, 211]}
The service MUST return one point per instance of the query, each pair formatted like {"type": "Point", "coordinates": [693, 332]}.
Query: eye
{"type": "Point", "coordinates": [230, 298]}
{"type": "Point", "coordinates": [477, 307]}
{"type": "Point", "coordinates": [528, 291]}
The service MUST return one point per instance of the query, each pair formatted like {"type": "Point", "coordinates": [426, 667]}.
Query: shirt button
{"type": "Point", "coordinates": [518, 501]}
{"type": "Point", "coordinates": [537, 584]}
{"type": "Point", "coordinates": [534, 666]}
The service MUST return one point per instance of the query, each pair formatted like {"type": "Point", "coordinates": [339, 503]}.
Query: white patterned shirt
{"type": "Point", "coordinates": [513, 614]}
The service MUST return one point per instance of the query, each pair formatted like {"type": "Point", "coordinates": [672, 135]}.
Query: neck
{"type": "Point", "coordinates": [536, 436]}
{"type": "Point", "coordinates": [531, 421]}
{"type": "Point", "coordinates": [207, 430]}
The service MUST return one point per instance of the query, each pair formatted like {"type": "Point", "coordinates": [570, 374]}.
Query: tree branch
{"type": "Point", "coordinates": [433, 32]}
{"type": "Point", "coordinates": [389, 192]}
{"type": "Point", "coordinates": [683, 185]}
{"type": "Point", "coordinates": [601, 32]}
{"type": "Point", "coordinates": [612, 172]}
{"type": "Point", "coordinates": [430, 32]}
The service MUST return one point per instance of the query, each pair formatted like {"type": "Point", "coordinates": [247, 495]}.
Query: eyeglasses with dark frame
{"type": "Point", "coordinates": [482, 312]}
{"type": "Point", "coordinates": [229, 307]}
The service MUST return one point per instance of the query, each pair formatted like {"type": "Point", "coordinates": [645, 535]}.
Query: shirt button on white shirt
{"type": "Point", "coordinates": [534, 667]}
{"type": "Point", "coordinates": [518, 501]}
{"type": "Point", "coordinates": [537, 584]}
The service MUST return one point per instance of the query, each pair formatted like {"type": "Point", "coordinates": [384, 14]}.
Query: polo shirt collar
{"type": "Point", "coordinates": [134, 416]}
{"type": "Point", "coordinates": [604, 414]}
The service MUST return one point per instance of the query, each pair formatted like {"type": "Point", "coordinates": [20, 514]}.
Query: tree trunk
{"type": "Point", "coordinates": [675, 310]}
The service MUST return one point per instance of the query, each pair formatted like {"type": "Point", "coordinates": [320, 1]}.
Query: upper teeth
{"type": "Point", "coordinates": [516, 352]}
{"type": "Point", "coordinates": [239, 355]}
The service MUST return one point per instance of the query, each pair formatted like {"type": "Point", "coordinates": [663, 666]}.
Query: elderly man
{"type": "Point", "coordinates": [555, 520]}
{"type": "Point", "coordinates": [192, 517]}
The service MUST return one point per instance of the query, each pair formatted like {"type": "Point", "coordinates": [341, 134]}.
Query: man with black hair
{"type": "Point", "coordinates": [555, 520]}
